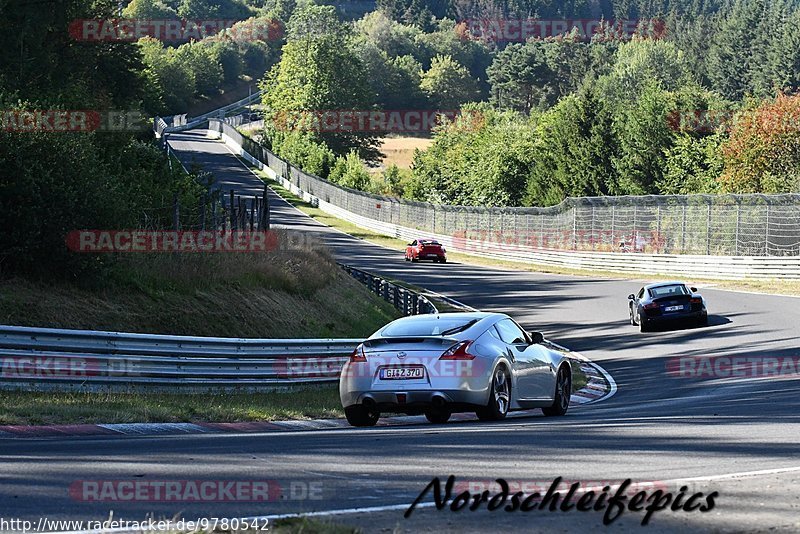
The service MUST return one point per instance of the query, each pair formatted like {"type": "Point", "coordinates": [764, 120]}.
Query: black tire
{"type": "Point", "coordinates": [643, 326]}
{"type": "Point", "coordinates": [499, 397]}
{"type": "Point", "coordinates": [406, 258]}
{"type": "Point", "coordinates": [633, 319]}
{"type": "Point", "coordinates": [437, 416]}
{"type": "Point", "coordinates": [703, 320]}
{"type": "Point", "coordinates": [359, 415]}
{"type": "Point", "coordinates": [562, 395]}
{"type": "Point", "coordinates": [443, 260]}
{"type": "Point", "coordinates": [413, 259]}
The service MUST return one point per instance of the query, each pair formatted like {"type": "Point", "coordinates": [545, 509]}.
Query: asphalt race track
{"type": "Point", "coordinates": [739, 436]}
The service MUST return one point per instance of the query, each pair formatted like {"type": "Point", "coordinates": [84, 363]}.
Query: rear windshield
{"type": "Point", "coordinates": [428, 242]}
{"type": "Point", "coordinates": [427, 327]}
{"type": "Point", "coordinates": [668, 291]}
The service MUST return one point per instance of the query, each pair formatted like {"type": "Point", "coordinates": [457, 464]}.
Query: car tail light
{"type": "Point", "coordinates": [651, 306]}
{"type": "Point", "coordinates": [696, 301]}
{"type": "Point", "coordinates": [358, 355]}
{"type": "Point", "coordinates": [459, 351]}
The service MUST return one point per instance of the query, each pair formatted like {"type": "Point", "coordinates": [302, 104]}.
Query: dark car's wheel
{"type": "Point", "coordinates": [442, 260]}
{"type": "Point", "coordinates": [437, 416]}
{"type": "Point", "coordinates": [633, 319]}
{"type": "Point", "coordinates": [643, 326]}
{"type": "Point", "coordinates": [703, 320]}
{"type": "Point", "coordinates": [499, 397]}
{"type": "Point", "coordinates": [358, 415]}
{"type": "Point", "coordinates": [563, 393]}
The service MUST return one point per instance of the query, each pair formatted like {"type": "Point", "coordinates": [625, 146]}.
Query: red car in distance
{"type": "Point", "coordinates": [426, 249]}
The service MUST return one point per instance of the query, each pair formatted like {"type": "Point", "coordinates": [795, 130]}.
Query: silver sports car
{"type": "Point", "coordinates": [453, 362]}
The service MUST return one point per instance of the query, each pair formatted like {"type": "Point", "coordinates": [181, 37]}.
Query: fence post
{"type": "Point", "coordinates": [738, 224]}
{"type": "Point", "coordinates": [613, 222]}
{"type": "Point", "coordinates": [203, 212]}
{"type": "Point", "coordinates": [176, 208]}
{"type": "Point", "coordinates": [252, 212]}
{"type": "Point", "coordinates": [708, 229]}
{"type": "Point", "coordinates": [575, 228]}
{"type": "Point", "coordinates": [541, 230]}
{"type": "Point", "coordinates": [766, 232]}
{"type": "Point", "coordinates": [683, 231]}
{"type": "Point", "coordinates": [659, 249]}
{"type": "Point", "coordinates": [232, 206]}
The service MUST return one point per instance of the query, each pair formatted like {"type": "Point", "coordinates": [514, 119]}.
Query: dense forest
{"type": "Point", "coordinates": [706, 104]}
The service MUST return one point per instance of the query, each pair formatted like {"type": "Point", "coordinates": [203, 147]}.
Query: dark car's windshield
{"type": "Point", "coordinates": [674, 290]}
{"type": "Point", "coordinates": [428, 327]}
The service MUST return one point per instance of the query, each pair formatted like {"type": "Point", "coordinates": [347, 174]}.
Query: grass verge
{"type": "Point", "coordinates": [291, 294]}
{"type": "Point", "coordinates": [44, 408]}
{"type": "Point", "coordinates": [778, 287]}
{"type": "Point", "coordinates": [296, 403]}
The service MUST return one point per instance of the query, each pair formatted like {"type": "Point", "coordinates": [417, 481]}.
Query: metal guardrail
{"type": "Point", "coordinates": [406, 300]}
{"type": "Point", "coordinates": [501, 244]}
{"type": "Point", "coordinates": [710, 225]}
{"type": "Point", "coordinates": [48, 358]}
{"type": "Point", "coordinates": [180, 123]}
{"type": "Point", "coordinates": [52, 358]}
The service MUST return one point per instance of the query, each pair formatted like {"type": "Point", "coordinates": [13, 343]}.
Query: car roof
{"type": "Point", "coordinates": [466, 316]}
{"type": "Point", "coordinates": [663, 284]}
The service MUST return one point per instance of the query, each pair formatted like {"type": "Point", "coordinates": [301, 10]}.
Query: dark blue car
{"type": "Point", "coordinates": [667, 302]}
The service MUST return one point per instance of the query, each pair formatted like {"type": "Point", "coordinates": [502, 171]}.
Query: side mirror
{"type": "Point", "coordinates": [694, 289]}
{"type": "Point", "coordinates": [536, 338]}
{"type": "Point", "coordinates": [631, 297]}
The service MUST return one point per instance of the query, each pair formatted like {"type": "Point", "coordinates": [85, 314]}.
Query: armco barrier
{"type": "Point", "coordinates": [46, 358]}
{"type": "Point", "coordinates": [407, 301]}
{"type": "Point", "coordinates": [697, 266]}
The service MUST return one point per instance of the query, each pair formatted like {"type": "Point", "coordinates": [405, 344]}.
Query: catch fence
{"type": "Point", "coordinates": [721, 225]}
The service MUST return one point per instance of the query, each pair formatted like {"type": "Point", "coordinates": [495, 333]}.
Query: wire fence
{"type": "Point", "coordinates": [724, 225]}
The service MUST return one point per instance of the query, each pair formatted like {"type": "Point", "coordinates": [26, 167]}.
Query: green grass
{"type": "Point", "coordinates": [294, 294]}
{"type": "Point", "coordinates": [300, 402]}
{"type": "Point", "coordinates": [43, 408]}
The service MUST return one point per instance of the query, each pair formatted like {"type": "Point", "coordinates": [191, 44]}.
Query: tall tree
{"type": "Point", "coordinates": [319, 72]}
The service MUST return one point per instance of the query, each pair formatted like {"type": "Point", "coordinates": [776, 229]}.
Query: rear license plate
{"type": "Point", "coordinates": [402, 373]}
{"type": "Point", "coordinates": [673, 308]}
